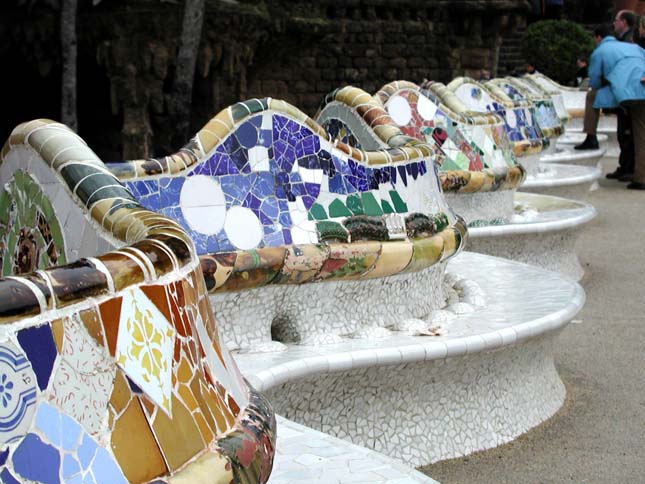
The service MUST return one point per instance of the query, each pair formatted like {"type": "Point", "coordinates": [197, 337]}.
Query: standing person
{"type": "Point", "coordinates": [624, 22]}
{"type": "Point", "coordinates": [616, 72]}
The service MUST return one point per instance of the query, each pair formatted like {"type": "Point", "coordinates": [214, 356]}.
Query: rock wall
{"type": "Point", "coordinates": [297, 51]}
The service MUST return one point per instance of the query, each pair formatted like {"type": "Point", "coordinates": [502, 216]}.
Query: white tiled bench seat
{"type": "Point", "coordinates": [423, 399]}
{"type": "Point", "coordinates": [543, 233]}
{"type": "Point", "coordinates": [307, 456]}
{"type": "Point", "coordinates": [568, 181]}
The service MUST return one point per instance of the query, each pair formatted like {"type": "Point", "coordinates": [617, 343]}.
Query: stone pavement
{"type": "Point", "coordinates": [599, 434]}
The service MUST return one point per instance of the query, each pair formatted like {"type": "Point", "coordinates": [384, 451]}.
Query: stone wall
{"type": "Point", "coordinates": [297, 51]}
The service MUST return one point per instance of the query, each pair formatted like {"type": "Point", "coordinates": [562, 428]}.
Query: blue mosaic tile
{"type": "Point", "coordinates": [49, 424]}
{"type": "Point", "coordinates": [37, 461]}
{"type": "Point", "coordinates": [71, 431]}
{"type": "Point", "coordinates": [38, 344]}
{"type": "Point", "coordinates": [105, 469]}
{"type": "Point", "coordinates": [86, 451]}
{"type": "Point", "coordinates": [3, 456]}
{"type": "Point", "coordinates": [247, 134]}
{"type": "Point", "coordinates": [71, 467]}
{"type": "Point", "coordinates": [8, 478]}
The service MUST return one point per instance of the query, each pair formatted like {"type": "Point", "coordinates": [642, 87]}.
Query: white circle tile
{"type": "Point", "coordinates": [203, 204]}
{"type": "Point", "coordinates": [426, 108]}
{"type": "Point", "coordinates": [399, 110]}
{"type": "Point", "coordinates": [511, 119]}
{"type": "Point", "coordinates": [243, 228]}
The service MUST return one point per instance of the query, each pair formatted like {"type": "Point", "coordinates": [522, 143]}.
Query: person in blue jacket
{"type": "Point", "coordinates": [616, 70]}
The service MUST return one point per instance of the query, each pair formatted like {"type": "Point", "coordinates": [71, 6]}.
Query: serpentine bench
{"type": "Point", "coordinates": [539, 229]}
{"type": "Point", "coordinates": [478, 171]}
{"type": "Point", "coordinates": [112, 370]}
{"type": "Point", "coordinates": [548, 173]}
{"type": "Point", "coordinates": [574, 101]}
{"type": "Point", "coordinates": [274, 208]}
{"type": "Point", "coordinates": [153, 276]}
{"type": "Point", "coordinates": [582, 169]}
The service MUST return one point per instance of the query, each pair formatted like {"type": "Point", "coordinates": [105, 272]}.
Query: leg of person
{"type": "Point", "coordinates": [625, 168]}
{"type": "Point", "coordinates": [638, 125]}
{"type": "Point", "coordinates": [590, 123]}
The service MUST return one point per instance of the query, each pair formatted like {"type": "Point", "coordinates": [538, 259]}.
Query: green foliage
{"type": "Point", "coordinates": [553, 46]}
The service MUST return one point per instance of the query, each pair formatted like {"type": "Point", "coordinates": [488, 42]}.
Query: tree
{"type": "Point", "coordinates": [553, 46]}
{"type": "Point", "coordinates": [179, 103]}
{"type": "Point", "coordinates": [68, 44]}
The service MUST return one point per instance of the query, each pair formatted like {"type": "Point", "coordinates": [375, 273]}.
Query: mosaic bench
{"type": "Point", "coordinates": [528, 141]}
{"type": "Point", "coordinates": [488, 380]}
{"type": "Point", "coordinates": [574, 101]}
{"type": "Point", "coordinates": [582, 166]}
{"type": "Point", "coordinates": [275, 208]}
{"type": "Point", "coordinates": [478, 171]}
{"type": "Point", "coordinates": [353, 115]}
{"type": "Point", "coordinates": [112, 370]}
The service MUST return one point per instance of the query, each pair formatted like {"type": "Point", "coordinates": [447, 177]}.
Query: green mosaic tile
{"type": "Point", "coordinates": [355, 205]}
{"type": "Point", "coordinates": [399, 205]}
{"type": "Point", "coordinates": [338, 209]}
{"type": "Point", "coordinates": [370, 205]}
{"type": "Point", "coordinates": [387, 208]}
{"type": "Point", "coordinates": [317, 212]}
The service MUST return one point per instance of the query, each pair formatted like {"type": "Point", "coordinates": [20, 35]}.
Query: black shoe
{"type": "Point", "coordinates": [590, 143]}
{"type": "Point", "coordinates": [626, 177]}
{"type": "Point", "coordinates": [615, 175]}
{"type": "Point", "coordinates": [636, 186]}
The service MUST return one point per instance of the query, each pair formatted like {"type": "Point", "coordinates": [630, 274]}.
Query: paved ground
{"type": "Point", "coordinates": [599, 434]}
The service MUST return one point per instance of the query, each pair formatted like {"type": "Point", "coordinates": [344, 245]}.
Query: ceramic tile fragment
{"type": "Point", "coordinates": [145, 347]}
{"type": "Point", "coordinates": [19, 386]}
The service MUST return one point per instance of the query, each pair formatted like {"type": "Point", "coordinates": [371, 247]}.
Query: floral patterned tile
{"type": "Point", "coordinates": [145, 347]}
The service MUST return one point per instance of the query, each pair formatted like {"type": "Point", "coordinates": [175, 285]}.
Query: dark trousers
{"type": "Point", "coordinates": [625, 141]}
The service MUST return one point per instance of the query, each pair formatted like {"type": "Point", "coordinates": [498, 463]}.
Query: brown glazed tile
{"type": "Point", "coordinates": [134, 446]}
{"type": "Point", "coordinates": [125, 272]}
{"type": "Point", "coordinates": [92, 323]}
{"type": "Point", "coordinates": [177, 307]}
{"type": "Point", "coordinates": [160, 259]}
{"type": "Point", "coordinates": [40, 282]}
{"type": "Point", "coordinates": [20, 301]}
{"type": "Point", "coordinates": [213, 408]}
{"type": "Point", "coordinates": [58, 332]}
{"type": "Point", "coordinates": [157, 294]}
{"type": "Point", "coordinates": [204, 428]}
{"type": "Point", "coordinates": [110, 314]}
{"type": "Point", "coordinates": [121, 393]}
{"type": "Point", "coordinates": [76, 281]}
{"type": "Point", "coordinates": [179, 436]}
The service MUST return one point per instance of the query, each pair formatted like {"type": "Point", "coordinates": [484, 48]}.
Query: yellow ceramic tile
{"type": "Point", "coordinates": [121, 393]}
{"type": "Point", "coordinates": [134, 446]}
{"type": "Point", "coordinates": [179, 437]}
{"type": "Point", "coordinates": [427, 251]}
{"type": "Point", "coordinates": [204, 428]}
{"type": "Point", "coordinates": [92, 323]}
{"type": "Point", "coordinates": [58, 332]}
{"type": "Point", "coordinates": [394, 258]}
